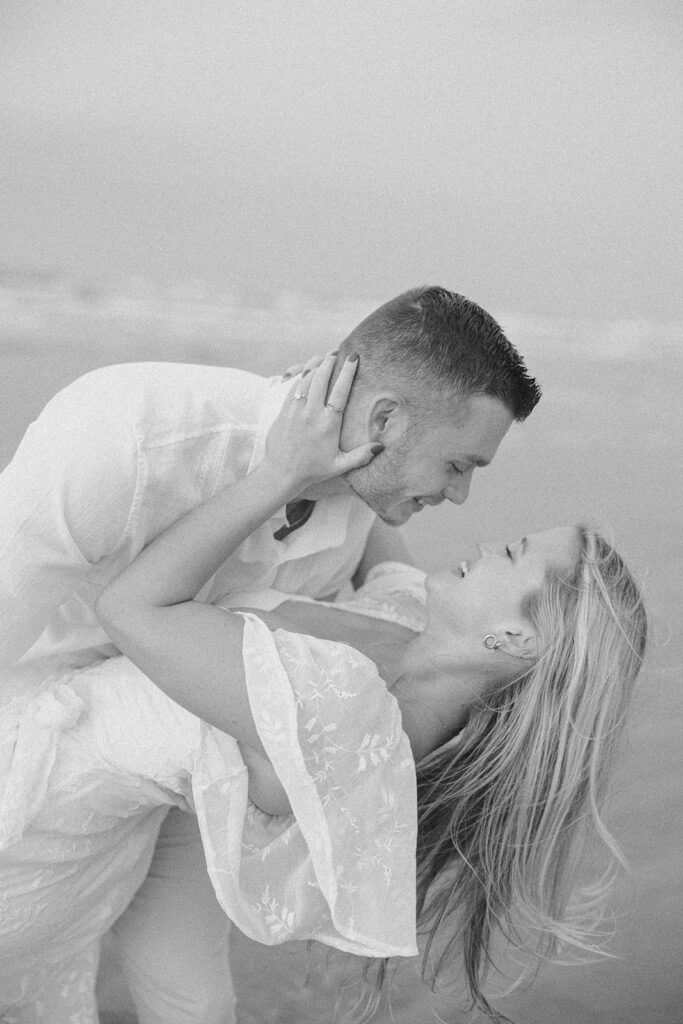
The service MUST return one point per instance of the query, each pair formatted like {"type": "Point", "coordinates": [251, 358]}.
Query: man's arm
{"type": "Point", "coordinates": [384, 544]}
{"type": "Point", "coordinates": [65, 500]}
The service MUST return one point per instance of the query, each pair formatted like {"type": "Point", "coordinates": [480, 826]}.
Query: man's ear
{"type": "Point", "coordinates": [518, 640]}
{"type": "Point", "coordinates": [387, 418]}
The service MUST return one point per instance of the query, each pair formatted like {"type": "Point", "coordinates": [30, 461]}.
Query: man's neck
{"type": "Point", "coordinates": [334, 488]}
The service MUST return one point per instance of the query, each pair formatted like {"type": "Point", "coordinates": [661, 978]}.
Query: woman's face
{"type": "Point", "coordinates": [494, 586]}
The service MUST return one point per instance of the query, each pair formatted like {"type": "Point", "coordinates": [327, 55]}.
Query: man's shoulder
{"type": "Point", "coordinates": [165, 381]}
{"type": "Point", "coordinates": [155, 396]}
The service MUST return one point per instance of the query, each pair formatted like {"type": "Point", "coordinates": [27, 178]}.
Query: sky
{"type": "Point", "coordinates": [524, 152]}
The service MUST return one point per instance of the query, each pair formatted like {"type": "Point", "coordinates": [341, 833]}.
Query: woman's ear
{"type": "Point", "coordinates": [518, 640]}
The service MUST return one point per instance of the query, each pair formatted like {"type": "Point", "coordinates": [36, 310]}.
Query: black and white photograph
{"type": "Point", "coordinates": [341, 363]}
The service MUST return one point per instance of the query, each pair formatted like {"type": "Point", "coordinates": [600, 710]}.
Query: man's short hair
{"type": "Point", "coordinates": [438, 343]}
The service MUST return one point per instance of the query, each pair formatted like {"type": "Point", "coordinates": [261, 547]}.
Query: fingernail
{"type": "Point", "coordinates": [377, 448]}
{"type": "Point", "coordinates": [353, 359]}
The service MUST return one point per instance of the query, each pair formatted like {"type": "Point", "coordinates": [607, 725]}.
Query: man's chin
{"type": "Point", "coordinates": [395, 516]}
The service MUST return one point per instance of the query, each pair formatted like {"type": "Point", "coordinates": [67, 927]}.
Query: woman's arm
{"type": "Point", "coordinates": [379, 640]}
{"type": "Point", "coordinates": [193, 651]}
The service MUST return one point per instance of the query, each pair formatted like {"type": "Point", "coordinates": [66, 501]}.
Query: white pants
{"type": "Point", "coordinates": [172, 941]}
{"type": "Point", "coordinates": [67, 997]}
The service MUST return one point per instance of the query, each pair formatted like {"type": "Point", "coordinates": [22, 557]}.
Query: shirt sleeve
{"type": "Point", "coordinates": [341, 868]}
{"type": "Point", "coordinates": [65, 502]}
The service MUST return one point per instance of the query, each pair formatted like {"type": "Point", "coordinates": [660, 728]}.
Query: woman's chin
{"type": "Point", "coordinates": [443, 582]}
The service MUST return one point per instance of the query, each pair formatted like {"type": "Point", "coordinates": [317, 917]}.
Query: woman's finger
{"type": "Point", "coordinates": [320, 381]}
{"type": "Point", "coordinates": [315, 361]}
{"type": "Point", "coordinates": [297, 393]}
{"type": "Point", "coordinates": [292, 371]}
{"type": "Point", "coordinates": [339, 395]}
{"type": "Point", "coordinates": [360, 456]}
{"type": "Point", "coordinates": [304, 368]}
{"type": "Point", "coordinates": [301, 389]}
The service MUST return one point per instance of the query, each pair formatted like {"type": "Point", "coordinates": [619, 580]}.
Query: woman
{"type": "Point", "coordinates": [528, 656]}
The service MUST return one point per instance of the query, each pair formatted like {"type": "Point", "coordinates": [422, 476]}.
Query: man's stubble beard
{"type": "Point", "coordinates": [375, 483]}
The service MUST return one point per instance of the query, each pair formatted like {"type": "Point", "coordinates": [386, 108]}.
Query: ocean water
{"type": "Point", "coordinates": [605, 446]}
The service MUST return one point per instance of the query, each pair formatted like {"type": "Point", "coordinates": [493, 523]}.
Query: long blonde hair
{"type": "Point", "coordinates": [505, 816]}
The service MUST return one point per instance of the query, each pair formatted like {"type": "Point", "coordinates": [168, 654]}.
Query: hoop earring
{"type": "Point", "coordinates": [490, 642]}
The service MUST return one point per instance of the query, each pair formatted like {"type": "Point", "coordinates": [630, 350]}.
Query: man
{"type": "Point", "coordinates": [124, 451]}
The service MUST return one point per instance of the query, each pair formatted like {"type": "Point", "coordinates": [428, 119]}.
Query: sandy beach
{"type": "Point", "coordinates": [605, 445]}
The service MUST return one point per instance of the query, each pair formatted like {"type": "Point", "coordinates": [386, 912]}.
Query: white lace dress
{"type": "Point", "coordinates": [91, 761]}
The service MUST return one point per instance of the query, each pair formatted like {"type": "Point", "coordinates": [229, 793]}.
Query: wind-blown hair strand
{"type": "Point", "coordinates": [505, 815]}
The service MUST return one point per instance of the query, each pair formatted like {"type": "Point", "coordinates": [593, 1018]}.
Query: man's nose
{"type": "Point", "coordinates": [458, 490]}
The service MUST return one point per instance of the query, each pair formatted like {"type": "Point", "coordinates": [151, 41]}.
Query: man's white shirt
{"type": "Point", "coordinates": [111, 461]}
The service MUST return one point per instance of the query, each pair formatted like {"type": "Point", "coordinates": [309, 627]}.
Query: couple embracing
{"type": "Point", "coordinates": [228, 695]}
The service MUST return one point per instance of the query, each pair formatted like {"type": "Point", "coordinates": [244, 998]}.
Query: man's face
{"type": "Point", "coordinates": [434, 461]}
